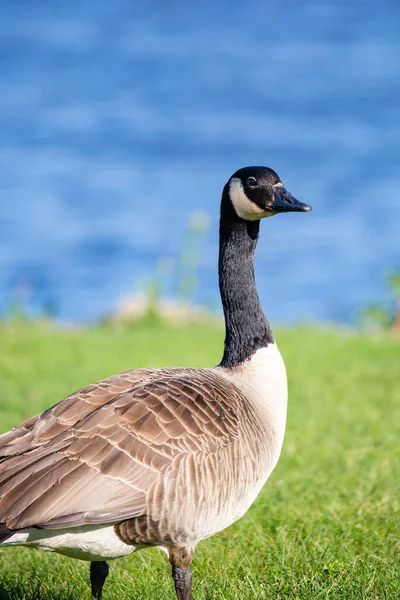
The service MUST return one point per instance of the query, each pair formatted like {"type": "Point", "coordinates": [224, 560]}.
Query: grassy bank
{"type": "Point", "coordinates": [326, 524]}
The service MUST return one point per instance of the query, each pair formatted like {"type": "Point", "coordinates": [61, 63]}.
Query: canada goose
{"type": "Point", "coordinates": [160, 457]}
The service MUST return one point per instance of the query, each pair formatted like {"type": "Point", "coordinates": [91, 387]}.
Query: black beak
{"type": "Point", "coordinates": [284, 202]}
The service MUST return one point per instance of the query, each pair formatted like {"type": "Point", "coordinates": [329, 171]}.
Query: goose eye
{"type": "Point", "coordinates": [251, 182]}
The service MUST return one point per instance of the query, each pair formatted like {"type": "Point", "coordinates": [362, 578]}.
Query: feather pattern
{"type": "Point", "coordinates": [158, 448]}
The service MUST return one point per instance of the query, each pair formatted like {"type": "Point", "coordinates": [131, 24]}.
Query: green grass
{"type": "Point", "coordinates": [326, 525]}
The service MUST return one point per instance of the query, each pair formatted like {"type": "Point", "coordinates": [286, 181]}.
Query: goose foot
{"type": "Point", "coordinates": [180, 559]}
{"type": "Point", "coordinates": [98, 573]}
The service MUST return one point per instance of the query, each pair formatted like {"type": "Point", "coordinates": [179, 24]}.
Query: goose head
{"type": "Point", "coordinates": [257, 192]}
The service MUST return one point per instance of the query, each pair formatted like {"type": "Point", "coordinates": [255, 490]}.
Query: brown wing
{"type": "Point", "coordinates": [95, 456]}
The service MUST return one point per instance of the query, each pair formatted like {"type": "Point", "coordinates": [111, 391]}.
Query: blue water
{"type": "Point", "coordinates": [120, 119]}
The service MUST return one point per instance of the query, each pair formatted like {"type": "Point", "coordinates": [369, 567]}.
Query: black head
{"type": "Point", "coordinates": [257, 192]}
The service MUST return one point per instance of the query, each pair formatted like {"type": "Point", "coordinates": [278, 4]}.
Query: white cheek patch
{"type": "Point", "coordinates": [245, 208]}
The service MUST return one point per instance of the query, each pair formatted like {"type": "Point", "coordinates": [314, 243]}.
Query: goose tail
{"type": "Point", "coordinates": [5, 533]}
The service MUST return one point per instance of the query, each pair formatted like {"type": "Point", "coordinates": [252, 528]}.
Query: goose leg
{"type": "Point", "coordinates": [183, 582]}
{"type": "Point", "coordinates": [180, 559]}
{"type": "Point", "coordinates": [98, 573]}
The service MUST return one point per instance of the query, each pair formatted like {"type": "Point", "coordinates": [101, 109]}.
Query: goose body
{"type": "Point", "coordinates": [160, 457]}
{"type": "Point", "coordinates": [209, 439]}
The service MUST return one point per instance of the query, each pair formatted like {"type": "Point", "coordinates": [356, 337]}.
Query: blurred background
{"type": "Point", "coordinates": [121, 122]}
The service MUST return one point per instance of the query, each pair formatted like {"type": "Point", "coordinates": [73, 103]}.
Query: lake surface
{"type": "Point", "coordinates": [120, 120]}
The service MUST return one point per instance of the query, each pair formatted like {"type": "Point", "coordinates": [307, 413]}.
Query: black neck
{"type": "Point", "coordinates": [246, 327]}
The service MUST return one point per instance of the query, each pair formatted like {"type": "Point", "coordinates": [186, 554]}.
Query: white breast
{"type": "Point", "coordinates": [262, 379]}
